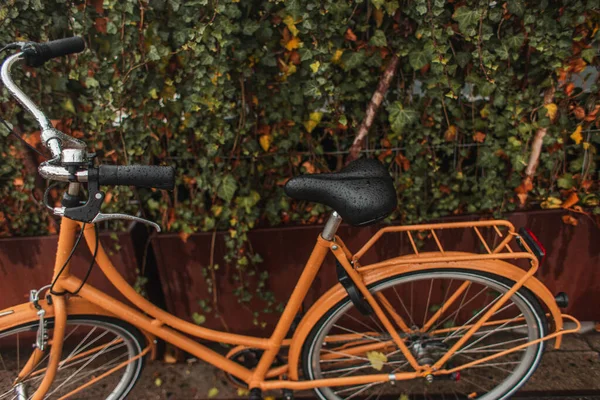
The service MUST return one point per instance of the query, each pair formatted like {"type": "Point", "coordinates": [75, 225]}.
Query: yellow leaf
{"type": "Point", "coordinates": [212, 392]}
{"type": "Point", "coordinates": [551, 202]}
{"type": "Point", "coordinates": [265, 141]}
{"type": "Point", "coordinates": [586, 145]}
{"type": "Point", "coordinates": [291, 24]}
{"type": "Point", "coordinates": [378, 16]}
{"type": "Point", "coordinates": [337, 56]}
{"type": "Point", "coordinates": [294, 43]}
{"type": "Point", "coordinates": [315, 66]}
{"type": "Point", "coordinates": [153, 93]}
{"type": "Point", "coordinates": [270, 398]}
{"type": "Point", "coordinates": [377, 359]}
{"type": "Point", "coordinates": [403, 397]}
{"type": "Point", "coordinates": [313, 120]}
{"type": "Point", "coordinates": [243, 392]}
{"type": "Point", "coordinates": [576, 135]}
{"type": "Point", "coordinates": [450, 133]}
{"type": "Point", "coordinates": [551, 109]}
{"type": "Point", "coordinates": [158, 381]}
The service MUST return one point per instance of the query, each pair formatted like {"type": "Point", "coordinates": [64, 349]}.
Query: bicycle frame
{"type": "Point", "coordinates": [159, 323]}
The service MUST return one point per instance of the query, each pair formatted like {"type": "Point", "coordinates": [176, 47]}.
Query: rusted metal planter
{"type": "Point", "coordinates": [572, 265]}
{"type": "Point", "coordinates": [26, 263]}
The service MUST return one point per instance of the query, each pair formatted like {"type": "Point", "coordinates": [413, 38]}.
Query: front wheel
{"type": "Point", "coordinates": [93, 345]}
{"type": "Point", "coordinates": [438, 306]}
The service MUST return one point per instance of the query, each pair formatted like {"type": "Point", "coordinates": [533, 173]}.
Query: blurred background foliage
{"type": "Point", "coordinates": [241, 95]}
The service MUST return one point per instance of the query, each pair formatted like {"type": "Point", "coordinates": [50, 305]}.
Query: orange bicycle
{"type": "Point", "coordinates": [428, 324]}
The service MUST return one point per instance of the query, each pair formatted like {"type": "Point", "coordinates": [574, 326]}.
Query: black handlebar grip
{"type": "Point", "coordinates": [36, 54]}
{"type": "Point", "coordinates": [146, 176]}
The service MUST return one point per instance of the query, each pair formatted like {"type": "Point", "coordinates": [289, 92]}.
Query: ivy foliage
{"type": "Point", "coordinates": [241, 95]}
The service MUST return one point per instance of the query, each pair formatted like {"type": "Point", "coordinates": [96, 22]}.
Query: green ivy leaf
{"type": "Point", "coordinates": [353, 59]}
{"type": "Point", "coordinates": [227, 188]}
{"type": "Point", "coordinates": [378, 39]}
{"type": "Point", "coordinates": [400, 116]}
{"type": "Point", "coordinates": [467, 18]}
{"type": "Point", "coordinates": [419, 59]}
{"type": "Point", "coordinates": [566, 181]}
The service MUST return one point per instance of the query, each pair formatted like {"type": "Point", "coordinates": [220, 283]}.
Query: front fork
{"type": "Point", "coordinates": [60, 322]}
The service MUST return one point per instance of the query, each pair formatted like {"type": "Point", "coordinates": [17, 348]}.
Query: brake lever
{"type": "Point", "coordinates": [107, 217]}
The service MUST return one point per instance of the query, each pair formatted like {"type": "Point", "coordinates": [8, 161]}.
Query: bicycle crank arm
{"type": "Point", "coordinates": [107, 217]}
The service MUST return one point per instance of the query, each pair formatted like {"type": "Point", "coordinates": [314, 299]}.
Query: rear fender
{"type": "Point", "coordinates": [337, 293]}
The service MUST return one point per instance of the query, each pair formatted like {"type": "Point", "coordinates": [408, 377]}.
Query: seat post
{"type": "Point", "coordinates": [331, 227]}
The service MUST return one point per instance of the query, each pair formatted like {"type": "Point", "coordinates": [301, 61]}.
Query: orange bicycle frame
{"type": "Point", "coordinates": [156, 322]}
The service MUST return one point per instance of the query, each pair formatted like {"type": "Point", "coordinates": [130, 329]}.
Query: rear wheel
{"type": "Point", "coordinates": [92, 346]}
{"type": "Point", "coordinates": [345, 343]}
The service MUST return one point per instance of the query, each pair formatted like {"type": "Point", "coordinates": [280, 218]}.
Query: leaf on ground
{"type": "Point", "coordinates": [377, 359]}
{"type": "Point", "coordinates": [243, 392]}
{"type": "Point", "coordinates": [158, 382]}
{"type": "Point", "coordinates": [212, 392]}
{"type": "Point", "coordinates": [403, 396]}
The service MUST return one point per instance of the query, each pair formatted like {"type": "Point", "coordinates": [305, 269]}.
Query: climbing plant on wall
{"type": "Point", "coordinates": [493, 105]}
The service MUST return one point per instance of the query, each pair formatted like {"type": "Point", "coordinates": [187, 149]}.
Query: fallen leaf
{"type": "Point", "coordinates": [265, 141]}
{"type": "Point", "coordinates": [571, 200]}
{"type": "Point", "coordinates": [479, 137]}
{"type": "Point", "coordinates": [569, 220]}
{"type": "Point", "coordinates": [450, 133]}
{"type": "Point", "coordinates": [377, 359]}
{"type": "Point", "coordinates": [472, 395]}
{"type": "Point", "coordinates": [158, 382]}
{"type": "Point", "coordinates": [243, 392]}
{"type": "Point", "coordinates": [212, 392]}
{"type": "Point", "coordinates": [576, 135]}
{"type": "Point", "coordinates": [551, 109]}
{"type": "Point", "coordinates": [403, 397]}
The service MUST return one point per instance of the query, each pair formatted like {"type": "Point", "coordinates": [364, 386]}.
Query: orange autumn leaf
{"type": "Point", "coordinates": [576, 135]}
{"type": "Point", "coordinates": [479, 137]}
{"type": "Point", "coordinates": [310, 168]}
{"type": "Point", "coordinates": [579, 112]}
{"type": "Point", "coordinates": [184, 236]}
{"type": "Point", "coordinates": [18, 182]}
{"type": "Point", "coordinates": [450, 133]}
{"type": "Point", "coordinates": [265, 142]}
{"type": "Point", "coordinates": [570, 201]}
{"type": "Point", "coordinates": [569, 88]}
{"type": "Point", "coordinates": [402, 161]}
{"type": "Point", "coordinates": [569, 220]}
{"type": "Point", "coordinates": [293, 43]}
{"type": "Point", "coordinates": [350, 35]}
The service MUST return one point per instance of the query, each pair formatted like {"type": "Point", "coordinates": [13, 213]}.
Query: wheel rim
{"type": "Point", "coordinates": [417, 298]}
{"type": "Point", "coordinates": [91, 348]}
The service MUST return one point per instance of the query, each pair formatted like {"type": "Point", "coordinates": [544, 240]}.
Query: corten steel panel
{"type": "Point", "coordinates": [27, 263]}
{"type": "Point", "coordinates": [572, 264]}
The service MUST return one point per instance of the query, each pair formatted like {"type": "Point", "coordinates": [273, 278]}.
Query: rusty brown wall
{"type": "Point", "coordinates": [27, 263]}
{"type": "Point", "coordinates": [572, 264]}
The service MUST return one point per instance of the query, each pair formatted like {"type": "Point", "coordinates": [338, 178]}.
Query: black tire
{"type": "Point", "coordinates": [523, 293]}
{"type": "Point", "coordinates": [132, 338]}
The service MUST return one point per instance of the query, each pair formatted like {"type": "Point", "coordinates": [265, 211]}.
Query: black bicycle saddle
{"type": "Point", "coordinates": [362, 193]}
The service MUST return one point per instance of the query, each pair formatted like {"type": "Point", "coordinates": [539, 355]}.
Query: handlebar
{"type": "Point", "coordinates": [70, 161]}
{"type": "Point", "coordinates": [36, 54]}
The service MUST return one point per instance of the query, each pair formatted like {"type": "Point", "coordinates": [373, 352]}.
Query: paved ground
{"type": "Point", "coordinates": [573, 372]}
